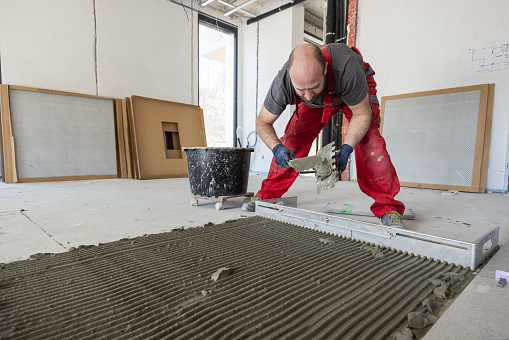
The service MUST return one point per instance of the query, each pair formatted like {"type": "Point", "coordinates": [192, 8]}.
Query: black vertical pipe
{"type": "Point", "coordinates": [338, 14]}
{"type": "Point", "coordinates": [342, 21]}
{"type": "Point", "coordinates": [330, 24]}
{"type": "Point", "coordinates": [330, 37]}
{"type": "Point", "coordinates": [337, 119]}
{"type": "Point", "coordinates": [339, 19]}
{"type": "Point", "coordinates": [341, 29]}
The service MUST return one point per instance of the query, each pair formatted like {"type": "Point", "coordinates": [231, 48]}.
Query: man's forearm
{"type": "Point", "coordinates": [357, 129]}
{"type": "Point", "coordinates": [360, 122]}
{"type": "Point", "coordinates": [267, 134]}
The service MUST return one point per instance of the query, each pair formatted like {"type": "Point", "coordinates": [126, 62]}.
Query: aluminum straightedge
{"type": "Point", "coordinates": [462, 253]}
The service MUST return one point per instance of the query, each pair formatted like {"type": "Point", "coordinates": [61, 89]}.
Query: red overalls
{"type": "Point", "coordinates": [376, 175]}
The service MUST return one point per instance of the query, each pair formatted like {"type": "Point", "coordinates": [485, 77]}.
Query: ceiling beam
{"type": "Point", "coordinates": [274, 11]}
{"type": "Point", "coordinates": [208, 2]}
{"type": "Point", "coordinates": [239, 7]}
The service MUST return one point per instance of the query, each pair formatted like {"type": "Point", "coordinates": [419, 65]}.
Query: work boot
{"type": "Point", "coordinates": [393, 219]}
{"type": "Point", "coordinates": [251, 205]}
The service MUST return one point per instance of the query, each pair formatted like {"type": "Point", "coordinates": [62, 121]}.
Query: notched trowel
{"type": "Point", "coordinates": [324, 165]}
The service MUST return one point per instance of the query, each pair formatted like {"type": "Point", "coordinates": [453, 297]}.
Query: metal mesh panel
{"type": "Point", "coordinates": [60, 135]}
{"type": "Point", "coordinates": [432, 139]}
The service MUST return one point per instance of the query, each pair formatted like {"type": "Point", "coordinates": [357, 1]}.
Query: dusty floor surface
{"type": "Point", "coordinates": [281, 282]}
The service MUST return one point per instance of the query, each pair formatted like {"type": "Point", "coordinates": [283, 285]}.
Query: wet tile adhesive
{"type": "Point", "coordinates": [251, 278]}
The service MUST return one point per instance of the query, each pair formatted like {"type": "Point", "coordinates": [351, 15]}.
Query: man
{"type": "Point", "coordinates": [320, 82]}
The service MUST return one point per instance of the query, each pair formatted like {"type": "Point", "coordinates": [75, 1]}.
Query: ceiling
{"type": "Point", "coordinates": [247, 9]}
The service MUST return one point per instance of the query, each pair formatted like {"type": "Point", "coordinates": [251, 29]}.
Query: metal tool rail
{"type": "Point", "coordinates": [462, 253]}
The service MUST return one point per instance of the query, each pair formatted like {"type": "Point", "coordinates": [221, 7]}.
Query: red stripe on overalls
{"type": "Point", "coordinates": [330, 92]}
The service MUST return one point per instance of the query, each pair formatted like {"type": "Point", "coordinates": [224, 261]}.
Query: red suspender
{"type": "Point", "coordinates": [330, 85]}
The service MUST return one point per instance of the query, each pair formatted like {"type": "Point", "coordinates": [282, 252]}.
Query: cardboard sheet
{"type": "Point", "coordinates": [8, 168]}
{"type": "Point", "coordinates": [120, 142]}
{"type": "Point", "coordinates": [127, 139]}
{"type": "Point", "coordinates": [134, 163]}
{"type": "Point", "coordinates": [1, 140]}
{"type": "Point", "coordinates": [160, 130]}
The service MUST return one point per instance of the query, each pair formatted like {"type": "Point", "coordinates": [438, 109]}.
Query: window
{"type": "Point", "coordinates": [217, 68]}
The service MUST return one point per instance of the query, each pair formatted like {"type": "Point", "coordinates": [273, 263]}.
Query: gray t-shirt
{"type": "Point", "coordinates": [348, 75]}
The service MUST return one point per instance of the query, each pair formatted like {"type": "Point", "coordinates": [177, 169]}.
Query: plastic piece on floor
{"type": "Point", "coordinates": [501, 277]}
{"type": "Point", "coordinates": [449, 192]}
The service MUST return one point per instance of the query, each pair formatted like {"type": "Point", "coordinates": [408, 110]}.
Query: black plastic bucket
{"type": "Point", "coordinates": [218, 171]}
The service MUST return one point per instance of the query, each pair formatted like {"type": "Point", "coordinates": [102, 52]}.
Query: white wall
{"type": "Point", "coordinates": [145, 48]}
{"type": "Point", "coordinates": [48, 44]}
{"type": "Point", "coordinates": [276, 35]}
{"type": "Point", "coordinates": [418, 46]}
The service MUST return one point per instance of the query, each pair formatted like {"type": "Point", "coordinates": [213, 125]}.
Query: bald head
{"type": "Point", "coordinates": [306, 68]}
{"type": "Point", "coordinates": [306, 53]}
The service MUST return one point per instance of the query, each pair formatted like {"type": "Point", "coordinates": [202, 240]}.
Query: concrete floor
{"type": "Point", "coordinates": [53, 217]}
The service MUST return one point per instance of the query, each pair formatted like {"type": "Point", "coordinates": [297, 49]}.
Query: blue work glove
{"type": "Point", "coordinates": [282, 155]}
{"type": "Point", "coordinates": [342, 157]}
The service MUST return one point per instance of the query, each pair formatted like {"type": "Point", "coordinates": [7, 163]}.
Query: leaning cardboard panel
{"type": "Point", "coordinates": [2, 170]}
{"type": "Point", "coordinates": [127, 139]}
{"type": "Point", "coordinates": [8, 157]}
{"type": "Point", "coordinates": [487, 138]}
{"type": "Point", "coordinates": [119, 138]}
{"type": "Point", "coordinates": [59, 136]}
{"type": "Point", "coordinates": [440, 139]}
{"type": "Point", "coordinates": [161, 129]}
{"type": "Point", "coordinates": [131, 131]}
